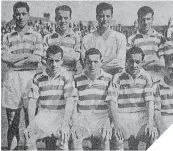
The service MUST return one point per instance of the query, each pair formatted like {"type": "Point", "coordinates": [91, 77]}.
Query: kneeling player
{"type": "Point", "coordinates": [91, 119]}
{"type": "Point", "coordinates": [164, 98]}
{"type": "Point", "coordinates": [135, 101]}
{"type": "Point", "coordinates": [54, 90]}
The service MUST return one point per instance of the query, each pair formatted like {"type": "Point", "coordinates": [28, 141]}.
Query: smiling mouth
{"type": "Point", "coordinates": [105, 23]}
{"type": "Point", "coordinates": [92, 69]}
{"type": "Point", "coordinates": [63, 25]}
{"type": "Point", "coordinates": [134, 69]}
{"type": "Point", "coordinates": [21, 22]}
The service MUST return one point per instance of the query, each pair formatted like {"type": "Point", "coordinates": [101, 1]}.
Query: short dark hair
{"type": "Point", "coordinates": [92, 51]}
{"type": "Point", "coordinates": [168, 59]}
{"type": "Point", "coordinates": [64, 8]}
{"type": "Point", "coordinates": [54, 49]}
{"type": "Point", "coordinates": [134, 50]}
{"type": "Point", "coordinates": [19, 5]}
{"type": "Point", "coordinates": [103, 6]}
{"type": "Point", "coordinates": [145, 10]}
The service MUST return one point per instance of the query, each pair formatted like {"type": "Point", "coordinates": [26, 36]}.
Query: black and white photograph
{"type": "Point", "coordinates": [86, 75]}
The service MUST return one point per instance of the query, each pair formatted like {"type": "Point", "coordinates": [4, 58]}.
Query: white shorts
{"type": "Point", "coordinates": [16, 87]}
{"type": "Point", "coordinates": [46, 123]}
{"type": "Point", "coordinates": [91, 124]}
{"type": "Point", "coordinates": [131, 123]}
{"type": "Point", "coordinates": [168, 121]}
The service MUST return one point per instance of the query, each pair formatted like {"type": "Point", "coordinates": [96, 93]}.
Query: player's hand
{"type": "Point", "coordinates": [63, 132]}
{"type": "Point", "coordinates": [106, 132]}
{"type": "Point", "coordinates": [33, 58]}
{"type": "Point", "coordinates": [30, 133]}
{"type": "Point", "coordinates": [118, 128]}
{"type": "Point", "coordinates": [151, 131]}
{"type": "Point", "coordinates": [119, 136]}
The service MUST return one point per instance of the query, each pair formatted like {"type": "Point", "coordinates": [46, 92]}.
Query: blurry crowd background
{"type": "Point", "coordinates": [45, 26]}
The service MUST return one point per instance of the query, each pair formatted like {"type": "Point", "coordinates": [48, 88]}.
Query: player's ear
{"type": "Point", "coordinates": [97, 17]}
{"type": "Point", "coordinates": [14, 17]}
{"type": "Point", "coordinates": [111, 16]}
{"type": "Point", "coordinates": [101, 60]}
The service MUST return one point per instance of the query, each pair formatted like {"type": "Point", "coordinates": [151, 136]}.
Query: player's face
{"type": "Point", "coordinates": [104, 18]}
{"type": "Point", "coordinates": [93, 64]}
{"type": "Point", "coordinates": [134, 64]}
{"type": "Point", "coordinates": [54, 62]}
{"type": "Point", "coordinates": [145, 22]}
{"type": "Point", "coordinates": [169, 69]}
{"type": "Point", "coordinates": [21, 16]}
{"type": "Point", "coordinates": [63, 20]}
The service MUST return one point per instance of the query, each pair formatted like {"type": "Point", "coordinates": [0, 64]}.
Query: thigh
{"type": "Point", "coordinates": [131, 123]}
{"type": "Point", "coordinates": [141, 136]}
{"type": "Point", "coordinates": [12, 90]}
{"type": "Point", "coordinates": [81, 127]}
{"type": "Point", "coordinates": [133, 143]}
{"type": "Point", "coordinates": [13, 116]}
{"type": "Point", "coordinates": [96, 142]}
{"type": "Point", "coordinates": [168, 121]}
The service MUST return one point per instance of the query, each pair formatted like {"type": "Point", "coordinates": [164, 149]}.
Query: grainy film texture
{"type": "Point", "coordinates": [79, 75]}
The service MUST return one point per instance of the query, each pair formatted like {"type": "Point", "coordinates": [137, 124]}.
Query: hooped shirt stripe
{"type": "Point", "coordinates": [93, 95]}
{"type": "Point", "coordinates": [152, 46]}
{"type": "Point", "coordinates": [133, 93]}
{"type": "Point", "coordinates": [52, 91]}
{"type": "Point", "coordinates": [164, 93]}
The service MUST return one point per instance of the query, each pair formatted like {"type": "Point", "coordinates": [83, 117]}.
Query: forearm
{"type": "Point", "coordinates": [74, 112]}
{"type": "Point", "coordinates": [113, 112]}
{"type": "Point", "coordinates": [31, 109]}
{"type": "Point", "coordinates": [13, 58]}
{"type": "Point", "coordinates": [30, 62]}
{"type": "Point", "coordinates": [68, 110]}
{"type": "Point", "coordinates": [34, 58]}
{"type": "Point", "coordinates": [150, 106]}
{"type": "Point", "coordinates": [159, 122]}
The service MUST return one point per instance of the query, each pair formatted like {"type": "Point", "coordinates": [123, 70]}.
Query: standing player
{"type": "Point", "coordinates": [149, 41]}
{"type": "Point", "coordinates": [164, 98]}
{"type": "Point", "coordinates": [91, 119]}
{"type": "Point", "coordinates": [66, 39]}
{"type": "Point", "coordinates": [112, 44]}
{"type": "Point", "coordinates": [21, 51]}
{"type": "Point", "coordinates": [53, 89]}
{"type": "Point", "coordinates": [135, 101]}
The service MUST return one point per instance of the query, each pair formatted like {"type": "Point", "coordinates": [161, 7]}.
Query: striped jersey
{"type": "Point", "coordinates": [52, 91]}
{"type": "Point", "coordinates": [31, 43]}
{"type": "Point", "coordinates": [69, 42]}
{"type": "Point", "coordinates": [132, 94]}
{"type": "Point", "coordinates": [167, 49]}
{"type": "Point", "coordinates": [151, 45]}
{"type": "Point", "coordinates": [93, 95]}
{"type": "Point", "coordinates": [164, 94]}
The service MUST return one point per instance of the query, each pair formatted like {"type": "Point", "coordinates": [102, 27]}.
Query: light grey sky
{"type": "Point", "coordinates": [125, 12]}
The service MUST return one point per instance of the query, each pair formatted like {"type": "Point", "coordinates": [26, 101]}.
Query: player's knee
{"type": "Point", "coordinates": [78, 143]}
